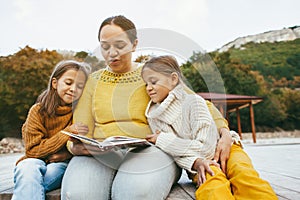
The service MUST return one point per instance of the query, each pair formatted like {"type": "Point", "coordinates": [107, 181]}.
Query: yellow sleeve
{"type": "Point", "coordinates": [84, 109]}
{"type": "Point", "coordinates": [220, 121]}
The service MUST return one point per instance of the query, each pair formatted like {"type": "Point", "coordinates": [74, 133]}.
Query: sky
{"type": "Point", "coordinates": [72, 25]}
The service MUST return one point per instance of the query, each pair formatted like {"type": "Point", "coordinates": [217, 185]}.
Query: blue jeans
{"type": "Point", "coordinates": [33, 178]}
{"type": "Point", "coordinates": [147, 173]}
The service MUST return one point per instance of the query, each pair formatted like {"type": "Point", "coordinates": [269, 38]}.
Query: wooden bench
{"type": "Point", "coordinates": [184, 189]}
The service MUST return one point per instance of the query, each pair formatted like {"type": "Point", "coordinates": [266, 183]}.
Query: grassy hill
{"type": "Point", "coordinates": [278, 62]}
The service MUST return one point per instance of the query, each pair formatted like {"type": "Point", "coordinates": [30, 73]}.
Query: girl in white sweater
{"type": "Point", "coordinates": [183, 127]}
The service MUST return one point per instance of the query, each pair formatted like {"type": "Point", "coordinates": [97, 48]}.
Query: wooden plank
{"type": "Point", "coordinates": [290, 183]}
{"type": "Point", "coordinates": [252, 122]}
{"type": "Point", "coordinates": [53, 195]}
{"type": "Point", "coordinates": [284, 193]}
{"type": "Point", "coordinates": [178, 193]}
{"type": "Point", "coordinates": [186, 185]}
{"type": "Point", "coordinates": [5, 196]}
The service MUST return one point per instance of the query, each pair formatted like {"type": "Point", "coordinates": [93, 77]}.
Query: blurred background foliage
{"type": "Point", "coordinates": [23, 76]}
{"type": "Point", "coordinates": [268, 70]}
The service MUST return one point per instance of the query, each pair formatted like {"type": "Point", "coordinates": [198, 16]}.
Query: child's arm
{"type": "Point", "coordinates": [227, 137]}
{"type": "Point", "coordinates": [200, 143]}
{"type": "Point", "coordinates": [37, 144]}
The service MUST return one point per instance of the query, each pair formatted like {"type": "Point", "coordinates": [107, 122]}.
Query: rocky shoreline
{"type": "Point", "coordinates": [11, 145]}
{"type": "Point", "coordinates": [16, 145]}
{"type": "Point", "coordinates": [269, 135]}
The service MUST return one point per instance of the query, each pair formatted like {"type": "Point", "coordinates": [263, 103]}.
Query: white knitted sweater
{"type": "Point", "coordinates": [187, 129]}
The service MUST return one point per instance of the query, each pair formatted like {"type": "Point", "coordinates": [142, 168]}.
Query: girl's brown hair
{"type": "Point", "coordinates": [49, 99]}
{"type": "Point", "coordinates": [124, 23]}
{"type": "Point", "coordinates": [164, 64]}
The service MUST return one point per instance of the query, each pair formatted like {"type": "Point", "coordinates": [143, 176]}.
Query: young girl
{"type": "Point", "coordinates": [184, 128]}
{"type": "Point", "coordinates": [46, 157]}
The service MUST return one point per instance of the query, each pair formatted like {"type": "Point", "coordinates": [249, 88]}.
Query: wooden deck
{"type": "Point", "coordinates": [184, 189]}
{"type": "Point", "coordinates": [277, 163]}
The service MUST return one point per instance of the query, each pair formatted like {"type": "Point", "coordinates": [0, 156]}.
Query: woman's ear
{"type": "Point", "coordinates": [134, 45]}
{"type": "Point", "coordinates": [54, 83]}
{"type": "Point", "coordinates": [175, 78]}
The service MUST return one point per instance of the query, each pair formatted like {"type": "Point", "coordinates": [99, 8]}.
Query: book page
{"type": "Point", "coordinates": [113, 141]}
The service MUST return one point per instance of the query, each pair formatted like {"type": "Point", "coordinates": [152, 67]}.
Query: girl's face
{"type": "Point", "coordinates": [69, 86]}
{"type": "Point", "coordinates": [158, 85]}
{"type": "Point", "coordinates": [116, 48]}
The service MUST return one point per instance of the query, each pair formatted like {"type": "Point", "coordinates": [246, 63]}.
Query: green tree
{"type": "Point", "coordinates": [291, 99]}
{"type": "Point", "coordinates": [24, 75]}
{"type": "Point", "coordinates": [202, 74]}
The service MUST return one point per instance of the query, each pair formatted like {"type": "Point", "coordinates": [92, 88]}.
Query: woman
{"type": "Point", "coordinates": [113, 103]}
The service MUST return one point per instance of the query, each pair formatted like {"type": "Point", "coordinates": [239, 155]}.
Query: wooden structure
{"type": "Point", "coordinates": [228, 103]}
{"type": "Point", "coordinates": [283, 176]}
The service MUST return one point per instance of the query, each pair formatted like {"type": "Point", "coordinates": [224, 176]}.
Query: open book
{"type": "Point", "coordinates": [111, 142]}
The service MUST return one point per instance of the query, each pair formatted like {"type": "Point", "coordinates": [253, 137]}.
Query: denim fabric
{"type": "Point", "coordinates": [143, 173]}
{"type": "Point", "coordinates": [90, 177]}
{"type": "Point", "coordinates": [146, 174]}
{"type": "Point", "coordinates": [33, 178]}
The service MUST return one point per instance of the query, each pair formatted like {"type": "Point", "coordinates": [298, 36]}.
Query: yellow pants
{"type": "Point", "coordinates": [242, 181]}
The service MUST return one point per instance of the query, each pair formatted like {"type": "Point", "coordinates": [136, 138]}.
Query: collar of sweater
{"type": "Point", "coordinates": [168, 110]}
{"type": "Point", "coordinates": [63, 110]}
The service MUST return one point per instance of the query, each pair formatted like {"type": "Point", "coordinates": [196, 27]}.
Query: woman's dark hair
{"type": "Point", "coordinates": [124, 23]}
{"type": "Point", "coordinates": [164, 64]}
{"type": "Point", "coordinates": [49, 99]}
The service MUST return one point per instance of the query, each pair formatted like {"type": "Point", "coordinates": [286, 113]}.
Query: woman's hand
{"type": "Point", "coordinates": [153, 137]}
{"type": "Point", "coordinates": [202, 166]}
{"type": "Point", "coordinates": [79, 128]}
{"type": "Point", "coordinates": [223, 148]}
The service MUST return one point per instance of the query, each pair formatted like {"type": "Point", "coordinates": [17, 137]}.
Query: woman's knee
{"type": "Point", "coordinates": [139, 184]}
{"type": "Point", "coordinates": [134, 187]}
{"type": "Point", "coordinates": [87, 178]}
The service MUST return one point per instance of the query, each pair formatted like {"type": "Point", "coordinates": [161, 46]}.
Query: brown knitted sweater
{"type": "Point", "coordinates": [41, 134]}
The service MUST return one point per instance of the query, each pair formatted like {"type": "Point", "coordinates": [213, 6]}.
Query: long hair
{"type": "Point", "coordinates": [49, 99]}
{"type": "Point", "coordinates": [124, 23]}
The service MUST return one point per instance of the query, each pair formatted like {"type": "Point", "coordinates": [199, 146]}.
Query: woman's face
{"type": "Point", "coordinates": [116, 48]}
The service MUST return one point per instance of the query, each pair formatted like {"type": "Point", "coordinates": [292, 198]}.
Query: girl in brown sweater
{"type": "Point", "coordinates": [46, 157]}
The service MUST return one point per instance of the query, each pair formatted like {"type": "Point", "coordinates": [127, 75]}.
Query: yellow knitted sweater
{"type": "Point", "coordinates": [114, 104]}
{"type": "Point", "coordinates": [42, 135]}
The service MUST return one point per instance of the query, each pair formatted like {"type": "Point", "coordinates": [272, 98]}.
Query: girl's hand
{"type": "Point", "coordinates": [152, 138]}
{"type": "Point", "coordinates": [59, 156]}
{"type": "Point", "coordinates": [202, 166]}
{"type": "Point", "coordinates": [79, 128]}
{"type": "Point", "coordinates": [223, 148]}
{"type": "Point", "coordinates": [79, 148]}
